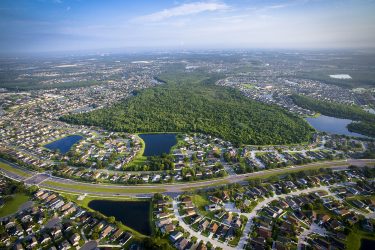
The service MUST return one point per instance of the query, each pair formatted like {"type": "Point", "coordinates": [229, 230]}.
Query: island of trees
{"type": "Point", "coordinates": [193, 103]}
{"type": "Point", "coordinates": [364, 121]}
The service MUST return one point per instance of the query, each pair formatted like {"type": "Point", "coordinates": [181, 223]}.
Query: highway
{"type": "Point", "coordinates": [44, 180]}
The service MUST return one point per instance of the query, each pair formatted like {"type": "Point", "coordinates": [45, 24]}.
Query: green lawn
{"type": "Point", "coordinates": [139, 159]}
{"type": "Point", "coordinates": [235, 241]}
{"type": "Point", "coordinates": [13, 205]}
{"type": "Point", "coordinates": [88, 198]}
{"type": "Point", "coordinates": [13, 170]}
{"type": "Point", "coordinates": [353, 241]}
{"type": "Point", "coordinates": [200, 201]}
{"type": "Point", "coordinates": [248, 85]}
{"type": "Point", "coordinates": [82, 188]}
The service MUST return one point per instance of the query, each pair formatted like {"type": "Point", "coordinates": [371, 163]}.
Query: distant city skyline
{"type": "Point", "coordinates": [72, 25]}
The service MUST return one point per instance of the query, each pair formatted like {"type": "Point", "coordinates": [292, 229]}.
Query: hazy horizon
{"type": "Point", "coordinates": [70, 25]}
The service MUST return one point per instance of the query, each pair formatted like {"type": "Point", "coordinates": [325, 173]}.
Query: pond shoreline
{"type": "Point", "coordinates": [131, 213]}
{"type": "Point", "coordinates": [158, 143]}
{"type": "Point", "coordinates": [332, 125]}
{"type": "Point", "coordinates": [64, 144]}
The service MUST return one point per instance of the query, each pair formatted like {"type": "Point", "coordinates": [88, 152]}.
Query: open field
{"type": "Point", "coordinates": [356, 235]}
{"type": "Point", "coordinates": [201, 202]}
{"type": "Point", "coordinates": [13, 205]}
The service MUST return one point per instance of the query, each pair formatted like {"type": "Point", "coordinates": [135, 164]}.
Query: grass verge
{"type": "Point", "coordinates": [82, 188]}
{"type": "Point", "coordinates": [263, 175]}
{"type": "Point", "coordinates": [11, 169]}
{"type": "Point", "coordinates": [204, 185]}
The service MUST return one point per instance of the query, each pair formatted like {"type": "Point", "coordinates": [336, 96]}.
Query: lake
{"type": "Point", "coordinates": [331, 125]}
{"type": "Point", "coordinates": [367, 244]}
{"type": "Point", "coordinates": [64, 144]}
{"type": "Point", "coordinates": [157, 144]}
{"type": "Point", "coordinates": [134, 214]}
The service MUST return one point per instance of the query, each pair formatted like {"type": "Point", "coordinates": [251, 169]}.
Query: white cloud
{"type": "Point", "coordinates": [183, 10]}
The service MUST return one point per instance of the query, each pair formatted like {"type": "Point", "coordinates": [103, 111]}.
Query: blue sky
{"type": "Point", "coordinates": [64, 25]}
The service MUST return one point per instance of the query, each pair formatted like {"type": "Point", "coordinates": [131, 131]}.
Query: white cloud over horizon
{"type": "Point", "coordinates": [75, 25]}
{"type": "Point", "coordinates": [182, 10]}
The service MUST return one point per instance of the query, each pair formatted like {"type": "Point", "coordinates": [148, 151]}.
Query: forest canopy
{"type": "Point", "coordinates": [193, 103]}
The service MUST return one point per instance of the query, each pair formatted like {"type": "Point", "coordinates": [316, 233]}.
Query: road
{"type": "Point", "coordinates": [68, 185]}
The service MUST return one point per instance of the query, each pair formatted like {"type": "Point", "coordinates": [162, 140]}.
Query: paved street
{"type": "Point", "coordinates": [175, 187]}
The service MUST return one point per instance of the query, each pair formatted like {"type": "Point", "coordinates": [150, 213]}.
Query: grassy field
{"type": "Point", "coordinates": [110, 189]}
{"type": "Point", "coordinates": [13, 205]}
{"type": "Point", "coordinates": [353, 241]}
{"type": "Point", "coordinates": [139, 159]}
{"type": "Point", "coordinates": [201, 202]}
{"type": "Point", "coordinates": [248, 85]}
{"type": "Point", "coordinates": [13, 170]}
{"type": "Point", "coordinates": [85, 202]}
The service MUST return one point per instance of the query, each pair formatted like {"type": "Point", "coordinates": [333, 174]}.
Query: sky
{"type": "Point", "coordinates": [28, 26]}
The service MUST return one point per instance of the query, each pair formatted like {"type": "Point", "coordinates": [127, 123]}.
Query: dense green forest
{"type": "Point", "coordinates": [365, 120]}
{"type": "Point", "coordinates": [193, 103]}
{"type": "Point", "coordinates": [366, 128]}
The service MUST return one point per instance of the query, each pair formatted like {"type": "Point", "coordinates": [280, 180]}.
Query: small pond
{"type": "Point", "coordinates": [64, 144]}
{"type": "Point", "coordinates": [157, 144]}
{"type": "Point", "coordinates": [134, 214]}
{"type": "Point", "coordinates": [332, 125]}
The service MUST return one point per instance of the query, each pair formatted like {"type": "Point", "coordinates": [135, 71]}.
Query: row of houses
{"type": "Point", "coordinates": [53, 222]}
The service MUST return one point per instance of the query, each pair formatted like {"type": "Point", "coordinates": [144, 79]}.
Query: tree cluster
{"type": "Point", "coordinates": [199, 107]}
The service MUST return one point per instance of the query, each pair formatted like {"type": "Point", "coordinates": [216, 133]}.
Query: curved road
{"type": "Point", "coordinates": [50, 182]}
